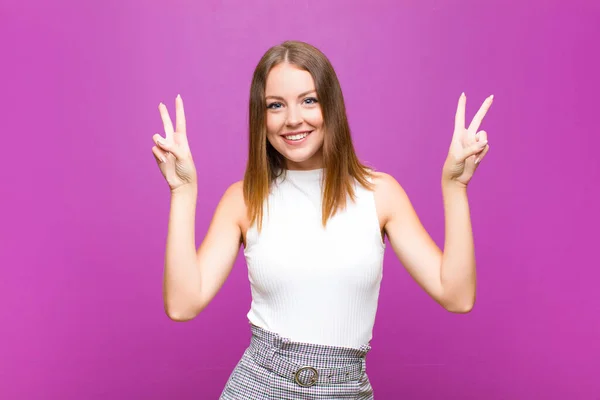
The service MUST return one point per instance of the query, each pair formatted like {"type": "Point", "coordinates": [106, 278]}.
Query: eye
{"type": "Point", "coordinates": [312, 99]}
{"type": "Point", "coordinates": [271, 106]}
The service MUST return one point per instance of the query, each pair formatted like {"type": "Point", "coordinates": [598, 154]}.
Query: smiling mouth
{"type": "Point", "coordinates": [294, 137]}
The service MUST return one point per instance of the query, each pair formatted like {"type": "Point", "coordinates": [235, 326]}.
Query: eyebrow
{"type": "Point", "coordinates": [300, 95]}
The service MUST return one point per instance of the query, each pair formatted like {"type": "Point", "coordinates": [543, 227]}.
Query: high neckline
{"type": "Point", "coordinates": [304, 174]}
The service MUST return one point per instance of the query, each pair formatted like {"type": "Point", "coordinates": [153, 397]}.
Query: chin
{"type": "Point", "coordinates": [298, 159]}
{"type": "Point", "coordinates": [309, 159]}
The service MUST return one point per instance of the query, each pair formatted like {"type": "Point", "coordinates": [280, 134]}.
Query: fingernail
{"type": "Point", "coordinates": [477, 161]}
{"type": "Point", "coordinates": [163, 159]}
{"type": "Point", "coordinates": [492, 97]}
{"type": "Point", "coordinates": [160, 141]}
{"type": "Point", "coordinates": [463, 94]}
{"type": "Point", "coordinates": [178, 96]}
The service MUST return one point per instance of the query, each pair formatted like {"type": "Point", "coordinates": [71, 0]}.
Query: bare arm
{"type": "Point", "coordinates": [193, 278]}
{"type": "Point", "coordinates": [416, 250]}
{"type": "Point", "coordinates": [458, 272]}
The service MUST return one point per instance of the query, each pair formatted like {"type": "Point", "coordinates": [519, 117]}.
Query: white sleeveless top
{"type": "Point", "coordinates": [313, 284]}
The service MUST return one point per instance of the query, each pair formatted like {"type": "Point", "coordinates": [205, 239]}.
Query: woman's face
{"type": "Point", "coordinates": [294, 119]}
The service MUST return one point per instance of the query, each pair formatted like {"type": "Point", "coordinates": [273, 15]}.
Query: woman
{"type": "Point", "coordinates": [312, 220]}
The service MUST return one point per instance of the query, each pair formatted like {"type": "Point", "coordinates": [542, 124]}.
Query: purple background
{"type": "Point", "coordinates": [84, 207]}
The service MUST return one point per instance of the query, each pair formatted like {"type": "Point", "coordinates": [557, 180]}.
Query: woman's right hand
{"type": "Point", "coordinates": [173, 153]}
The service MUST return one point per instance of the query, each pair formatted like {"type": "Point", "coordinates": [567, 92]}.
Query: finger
{"type": "Point", "coordinates": [166, 119]}
{"type": "Point", "coordinates": [459, 118]}
{"type": "Point", "coordinates": [160, 155]}
{"type": "Point", "coordinates": [167, 145]}
{"type": "Point", "coordinates": [483, 153]}
{"type": "Point", "coordinates": [478, 118]}
{"type": "Point", "coordinates": [481, 135]}
{"type": "Point", "coordinates": [179, 115]}
{"type": "Point", "coordinates": [160, 141]}
{"type": "Point", "coordinates": [474, 149]}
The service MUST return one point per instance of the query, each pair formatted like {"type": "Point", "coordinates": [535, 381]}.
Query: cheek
{"type": "Point", "coordinates": [315, 118]}
{"type": "Point", "coordinates": [274, 122]}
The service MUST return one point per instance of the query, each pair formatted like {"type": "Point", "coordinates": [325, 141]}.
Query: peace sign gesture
{"type": "Point", "coordinates": [468, 146]}
{"type": "Point", "coordinates": [172, 153]}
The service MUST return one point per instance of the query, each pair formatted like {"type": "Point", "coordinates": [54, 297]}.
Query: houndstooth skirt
{"type": "Point", "coordinates": [275, 368]}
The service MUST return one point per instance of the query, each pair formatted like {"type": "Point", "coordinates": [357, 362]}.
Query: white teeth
{"type": "Point", "coordinates": [297, 137]}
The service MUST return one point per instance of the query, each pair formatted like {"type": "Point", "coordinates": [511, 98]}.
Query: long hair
{"type": "Point", "coordinates": [341, 165]}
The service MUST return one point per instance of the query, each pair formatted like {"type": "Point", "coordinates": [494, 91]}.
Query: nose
{"type": "Point", "coordinates": [294, 116]}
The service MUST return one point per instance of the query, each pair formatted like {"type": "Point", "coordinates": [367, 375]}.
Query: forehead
{"type": "Point", "coordinates": [285, 79]}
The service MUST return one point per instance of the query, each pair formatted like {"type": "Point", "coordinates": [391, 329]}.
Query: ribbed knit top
{"type": "Point", "coordinates": [309, 283]}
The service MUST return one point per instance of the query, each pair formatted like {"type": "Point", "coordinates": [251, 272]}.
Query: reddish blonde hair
{"type": "Point", "coordinates": [341, 165]}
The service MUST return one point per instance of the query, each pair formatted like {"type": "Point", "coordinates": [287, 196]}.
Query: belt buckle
{"type": "Point", "coordinates": [312, 381]}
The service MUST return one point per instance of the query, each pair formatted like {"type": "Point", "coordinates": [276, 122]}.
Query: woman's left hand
{"type": "Point", "coordinates": [468, 146]}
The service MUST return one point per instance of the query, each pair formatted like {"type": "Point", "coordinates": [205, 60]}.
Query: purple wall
{"type": "Point", "coordinates": [84, 207]}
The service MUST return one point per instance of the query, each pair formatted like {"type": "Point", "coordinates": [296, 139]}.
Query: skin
{"type": "Point", "coordinates": [292, 106]}
{"type": "Point", "coordinates": [448, 277]}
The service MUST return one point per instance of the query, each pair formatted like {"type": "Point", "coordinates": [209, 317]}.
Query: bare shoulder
{"type": "Point", "coordinates": [235, 190]}
{"type": "Point", "coordinates": [233, 199]}
{"type": "Point", "coordinates": [235, 205]}
{"type": "Point", "coordinates": [386, 185]}
{"type": "Point", "coordinates": [389, 194]}
{"type": "Point", "coordinates": [383, 180]}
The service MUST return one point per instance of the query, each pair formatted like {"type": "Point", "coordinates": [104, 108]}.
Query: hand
{"type": "Point", "coordinates": [468, 147]}
{"type": "Point", "coordinates": [173, 153]}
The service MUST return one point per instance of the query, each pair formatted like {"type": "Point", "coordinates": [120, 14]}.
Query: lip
{"type": "Point", "coordinates": [295, 142]}
{"type": "Point", "coordinates": [295, 133]}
